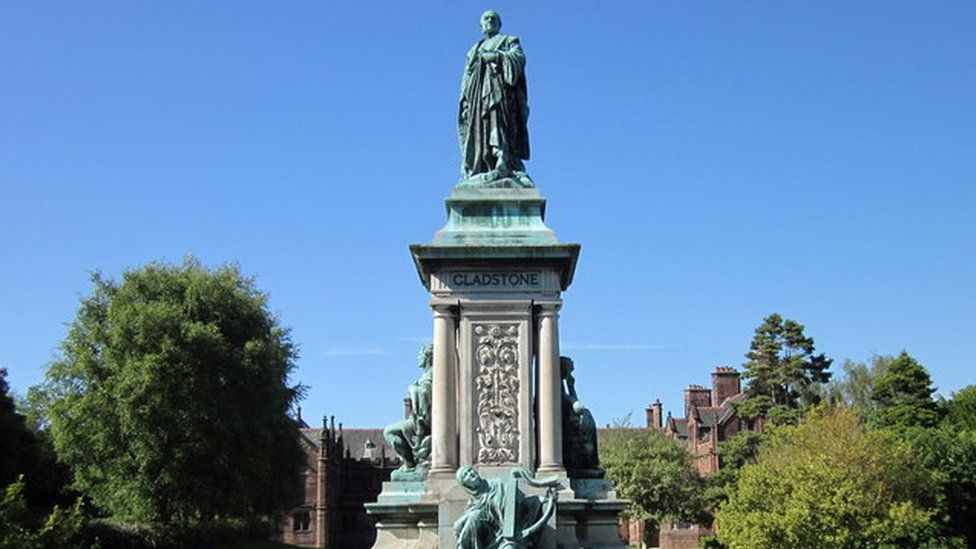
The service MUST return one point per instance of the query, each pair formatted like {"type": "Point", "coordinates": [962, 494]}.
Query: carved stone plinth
{"type": "Point", "coordinates": [495, 274]}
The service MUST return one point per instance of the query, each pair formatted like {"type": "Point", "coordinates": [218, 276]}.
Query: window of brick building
{"type": "Point", "coordinates": [301, 521]}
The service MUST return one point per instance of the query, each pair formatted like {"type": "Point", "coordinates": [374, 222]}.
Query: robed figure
{"type": "Point", "coordinates": [500, 515]}
{"type": "Point", "coordinates": [580, 453]}
{"type": "Point", "coordinates": [410, 437]}
{"type": "Point", "coordinates": [493, 110]}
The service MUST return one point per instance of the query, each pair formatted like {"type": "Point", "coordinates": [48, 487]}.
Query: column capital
{"type": "Point", "coordinates": [443, 309]}
{"type": "Point", "coordinates": [549, 308]}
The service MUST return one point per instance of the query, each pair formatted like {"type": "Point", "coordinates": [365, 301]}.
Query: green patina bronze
{"type": "Point", "coordinates": [410, 437]}
{"type": "Point", "coordinates": [580, 453]}
{"type": "Point", "coordinates": [493, 111]}
{"type": "Point", "coordinates": [500, 515]}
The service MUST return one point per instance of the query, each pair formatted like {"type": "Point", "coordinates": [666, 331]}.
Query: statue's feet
{"type": "Point", "coordinates": [411, 473]}
{"type": "Point", "coordinates": [524, 180]}
{"type": "Point", "coordinates": [495, 179]}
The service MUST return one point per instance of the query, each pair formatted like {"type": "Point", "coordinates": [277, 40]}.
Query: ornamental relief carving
{"type": "Point", "coordinates": [497, 390]}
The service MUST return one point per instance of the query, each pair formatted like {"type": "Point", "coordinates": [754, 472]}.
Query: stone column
{"type": "Point", "coordinates": [550, 391]}
{"type": "Point", "coordinates": [443, 406]}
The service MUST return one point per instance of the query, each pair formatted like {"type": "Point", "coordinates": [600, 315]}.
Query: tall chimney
{"type": "Point", "coordinates": [654, 415]}
{"type": "Point", "coordinates": [725, 384]}
{"type": "Point", "coordinates": [698, 396]}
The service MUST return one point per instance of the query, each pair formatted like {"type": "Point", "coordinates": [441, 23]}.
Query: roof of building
{"type": "Point", "coordinates": [679, 425]}
{"type": "Point", "coordinates": [707, 416]}
{"type": "Point", "coordinates": [355, 442]}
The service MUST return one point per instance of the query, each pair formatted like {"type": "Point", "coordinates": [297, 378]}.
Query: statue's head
{"type": "Point", "coordinates": [425, 357]}
{"type": "Point", "coordinates": [470, 479]}
{"type": "Point", "coordinates": [491, 23]}
{"type": "Point", "coordinates": [565, 366]}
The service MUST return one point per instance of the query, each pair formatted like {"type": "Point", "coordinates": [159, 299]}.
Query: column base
{"type": "Point", "coordinates": [442, 471]}
{"type": "Point", "coordinates": [551, 470]}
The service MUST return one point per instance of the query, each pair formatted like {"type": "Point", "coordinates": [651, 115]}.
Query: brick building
{"type": "Point", "coordinates": [344, 469]}
{"type": "Point", "coordinates": [709, 419]}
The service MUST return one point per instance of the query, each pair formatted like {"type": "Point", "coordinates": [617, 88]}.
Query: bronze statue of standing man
{"type": "Point", "coordinates": [493, 111]}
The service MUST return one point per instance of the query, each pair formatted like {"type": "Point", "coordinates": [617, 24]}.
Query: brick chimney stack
{"type": "Point", "coordinates": [725, 384]}
{"type": "Point", "coordinates": [698, 396]}
{"type": "Point", "coordinates": [654, 415]}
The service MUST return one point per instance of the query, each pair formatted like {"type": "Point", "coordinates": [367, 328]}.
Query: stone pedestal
{"type": "Point", "coordinates": [495, 273]}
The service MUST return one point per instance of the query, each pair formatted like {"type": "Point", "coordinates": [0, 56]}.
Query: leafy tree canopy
{"type": "Point", "coordinates": [950, 455]}
{"type": "Point", "coordinates": [655, 473]}
{"type": "Point", "coordinates": [961, 409]}
{"type": "Point", "coordinates": [18, 447]}
{"type": "Point", "coordinates": [735, 453]}
{"type": "Point", "coordinates": [783, 372]}
{"type": "Point", "coordinates": [854, 389]}
{"type": "Point", "coordinates": [20, 529]}
{"type": "Point", "coordinates": [170, 402]}
{"type": "Point", "coordinates": [26, 452]}
{"type": "Point", "coordinates": [902, 395]}
{"type": "Point", "coordinates": [829, 482]}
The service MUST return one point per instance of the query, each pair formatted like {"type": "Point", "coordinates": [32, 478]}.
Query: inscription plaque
{"type": "Point", "coordinates": [495, 280]}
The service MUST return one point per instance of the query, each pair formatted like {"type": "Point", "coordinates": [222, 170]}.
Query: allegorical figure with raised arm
{"type": "Point", "coordinates": [410, 437]}
{"type": "Point", "coordinates": [493, 111]}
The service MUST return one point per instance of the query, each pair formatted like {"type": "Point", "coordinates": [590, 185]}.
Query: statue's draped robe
{"type": "Point", "coordinates": [421, 405]}
{"type": "Point", "coordinates": [410, 437]}
{"type": "Point", "coordinates": [481, 524]}
{"type": "Point", "coordinates": [494, 108]}
{"type": "Point", "coordinates": [579, 436]}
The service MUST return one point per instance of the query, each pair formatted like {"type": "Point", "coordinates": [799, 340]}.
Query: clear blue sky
{"type": "Point", "coordinates": [717, 161]}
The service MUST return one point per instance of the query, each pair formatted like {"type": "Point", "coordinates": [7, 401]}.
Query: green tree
{"type": "Point", "coordinates": [783, 372]}
{"type": "Point", "coordinates": [27, 451]}
{"type": "Point", "coordinates": [949, 453]}
{"type": "Point", "coordinates": [829, 482]}
{"type": "Point", "coordinates": [18, 446]}
{"type": "Point", "coordinates": [734, 453]}
{"type": "Point", "coordinates": [856, 386]}
{"type": "Point", "coordinates": [902, 395]}
{"type": "Point", "coordinates": [20, 529]}
{"type": "Point", "coordinates": [961, 409]}
{"type": "Point", "coordinates": [170, 402]}
{"type": "Point", "coordinates": [655, 473]}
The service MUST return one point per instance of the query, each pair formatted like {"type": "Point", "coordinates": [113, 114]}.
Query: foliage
{"type": "Point", "coordinates": [27, 452]}
{"type": "Point", "coordinates": [961, 409]}
{"type": "Point", "coordinates": [19, 529]}
{"type": "Point", "coordinates": [655, 473]}
{"type": "Point", "coordinates": [950, 454]}
{"type": "Point", "coordinates": [829, 482]}
{"type": "Point", "coordinates": [230, 533]}
{"type": "Point", "coordinates": [734, 453]}
{"type": "Point", "coordinates": [783, 372]}
{"type": "Point", "coordinates": [855, 388]}
{"type": "Point", "coordinates": [902, 395]}
{"type": "Point", "coordinates": [170, 402]}
{"type": "Point", "coordinates": [19, 447]}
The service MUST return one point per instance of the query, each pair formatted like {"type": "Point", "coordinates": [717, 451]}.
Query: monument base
{"type": "Point", "coordinates": [421, 515]}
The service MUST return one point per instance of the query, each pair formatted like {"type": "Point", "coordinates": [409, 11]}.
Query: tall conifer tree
{"type": "Point", "coordinates": [903, 395]}
{"type": "Point", "coordinates": [783, 371]}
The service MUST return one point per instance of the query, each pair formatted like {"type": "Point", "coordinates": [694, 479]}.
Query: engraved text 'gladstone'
{"type": "Point", "coordinates": [495, 279]}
